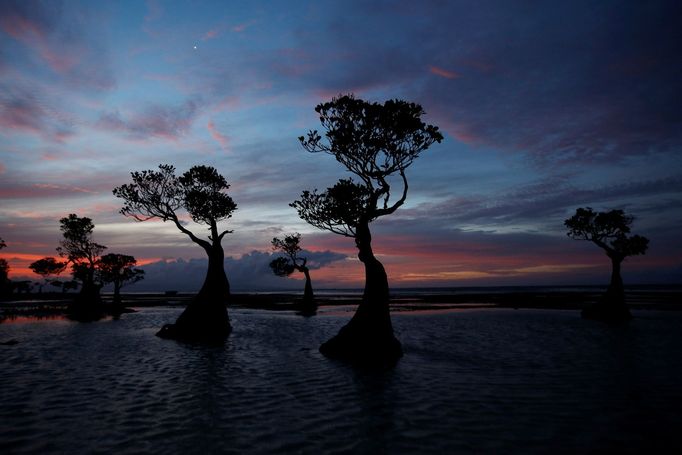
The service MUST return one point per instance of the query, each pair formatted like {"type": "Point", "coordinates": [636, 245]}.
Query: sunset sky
{"type": "Point", "coordinates": [545, 107]}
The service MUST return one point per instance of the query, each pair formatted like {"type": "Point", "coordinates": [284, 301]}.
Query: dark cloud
{"type": "Point", "coordinates": [247, 273]}
{"type": "Point", "coordinates": [30, 111]}
{"type": "Point", "coordinates": [547, 199]}
{"type": "Point", "coordinates": [168, 122]}
{"type": "Point", "coordinates": [581, 81]}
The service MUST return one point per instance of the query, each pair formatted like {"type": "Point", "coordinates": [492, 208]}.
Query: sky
{"type": "Point", "coordinates": [544, 106]}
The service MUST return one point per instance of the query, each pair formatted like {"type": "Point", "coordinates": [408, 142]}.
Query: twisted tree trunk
{"type": "Point", "coordinates": [611, 306]}
{"type": "Point", "coordinates": [205, 319]}
{"type": "Point", "coordinates": [308, 305]}
{"type": "Point", "coordinates": [368, 336]}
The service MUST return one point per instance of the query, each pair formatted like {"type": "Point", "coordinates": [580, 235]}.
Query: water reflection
{"type": "Point", "coordinates": [23, 319]}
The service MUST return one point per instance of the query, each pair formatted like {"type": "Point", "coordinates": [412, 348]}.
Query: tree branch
{"type": "Point", "coordinates": [203, 243]}
{"type": "Point", "coordinates": [399, 202]}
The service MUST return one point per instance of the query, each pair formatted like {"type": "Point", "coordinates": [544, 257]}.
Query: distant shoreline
{"type": "Point", "coordinates": [669, 298]}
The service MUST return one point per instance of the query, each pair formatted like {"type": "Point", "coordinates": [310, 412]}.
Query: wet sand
{"type": "Point", "coordinates": [471, 381]}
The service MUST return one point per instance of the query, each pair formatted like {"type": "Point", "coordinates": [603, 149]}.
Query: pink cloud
{"type": "Point", "coordinates": [154, 11]}
{"type": "Point", "coordinates": [222, 139]}
{"type": "Point", "coordinates": [444, 73]}
{"type": "Point", "coordinates": [211, 34]}
{"type": "Point", "coordinates": [243, 26]}
{"type": "Point", "coordinates": [22, 111]}
{"type": "Point", "coordinates": [79, 60]}
{"type": "Point", "coordinates": [2, 168]}
{"type": "Point", "coordinates": [34, 35]}
{"type": "Point", "coordinates": [19, 27]}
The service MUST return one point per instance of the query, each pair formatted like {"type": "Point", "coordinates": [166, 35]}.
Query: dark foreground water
{"type": "Point", "coordinates": [475, 381]}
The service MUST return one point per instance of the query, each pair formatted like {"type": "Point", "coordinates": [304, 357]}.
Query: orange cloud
{"type": "Point", "coordinates": [19, 262]}
{"type": "Point", "coordinates": [444, 73]}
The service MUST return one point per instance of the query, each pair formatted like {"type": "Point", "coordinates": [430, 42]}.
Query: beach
{"type": "Point", "coordinates": [472, 380]}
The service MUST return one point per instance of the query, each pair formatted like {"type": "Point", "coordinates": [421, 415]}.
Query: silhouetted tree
{"type": "Point", "coordinates": [46, 267]}
{"type": "Point", "coordinates": [5, 283]}
{"type": "Point", "coordinates": [286, 265]}
{"type": "Point", "coordinates": [201, 191]}
{"type": "Point", "coordinates": [82, 253]}
{"type": "Point", "coordinates": [376, 142]}
{"type": "Point", "coordinates": [69, 285]}
{"type": "Point", "coordinates": [608, 230]}
{"type": "Point", "coordinates": [119, 270]}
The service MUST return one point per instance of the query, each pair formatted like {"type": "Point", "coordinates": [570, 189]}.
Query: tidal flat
{"type": "Point", "coordinates": [476, 380]}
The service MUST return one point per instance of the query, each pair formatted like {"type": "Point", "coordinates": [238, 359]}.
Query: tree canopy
{"type": "Point", "coordinates": [118, 269]}
{"type": "Point", "coordinates": [338, 209]}
{"type": "Point", "coordinates": [48, 266]}
{"type": "Point", "coordinates": [77, 244]}
{"type": "Point", "coordinates": [161, 194]}
{"type": "Point", "coordinates": [373, 141]}
{"type": "Point", "coordinates": [609, 230]}
{"type": "Point", "coordinates": [290, 246]}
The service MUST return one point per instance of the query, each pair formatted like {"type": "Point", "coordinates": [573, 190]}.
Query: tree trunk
{"type": "Point", "coordinates": [611, 306]}
{"type": "Point", "coordinates": [308, 305]}
{"type": "Point", "coordinates": [117, 294]}
{"type": "Point", "coordinates": [205, 319]}
{"type": "Point", "coordinates": [87, 306]}
{"type": "Point", "coordinates": [368, 336]}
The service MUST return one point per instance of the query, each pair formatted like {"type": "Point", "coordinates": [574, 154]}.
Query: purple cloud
{"type": "Point", "coordinates": [247, 273]}
{"type": "Point", "coordinates": [60, 40]}
{"type": "Point", "coordinates": [28, 111]}
{"type": "Point", "coordinates": [156, 120]}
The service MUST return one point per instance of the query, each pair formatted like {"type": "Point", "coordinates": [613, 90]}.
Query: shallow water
{"type": "Point", "coordinates": [471, 381]}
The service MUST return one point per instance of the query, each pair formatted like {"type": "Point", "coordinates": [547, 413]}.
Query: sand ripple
{"type": "Point", "coordinates": [499, 381]}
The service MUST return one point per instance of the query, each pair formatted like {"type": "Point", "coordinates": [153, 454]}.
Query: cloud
{"type": "Point", "coordinates": [26, 187]}
{"type": "Point", "coordinates": [220, 138]}
{"type": "Point", "coordinates": [444, 73]}
{"type": "Point", "coordinates": [210, 34]}
{"type": "Point", "coordinates": [29, 110]}
{"type": "Point", "coordinates": [249, 272]}
{"type": "Point", "coordinates": [543, 200]}
{"type": "Point", "coordinates": [578, 83]}
{"type": "Point", "coordinates": [239, 28]}
{"type": "Point", "coordinates": [168, 122]}
{"type": "Point", "coordinates": [61, 39]}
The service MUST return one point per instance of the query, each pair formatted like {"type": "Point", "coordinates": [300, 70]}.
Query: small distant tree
{"type": "Point", "coordinates": [377, 143]}
{"type": "Point", "coordinates": [82, 252]}
{"type": "Point", "coordinates": [292, 261]}
{"type": "Point", "coordinates": [118, 269]}
{"type": "Point", "coordinates": [46, 268]}
{"type": "Point", "coordinates": [610, 231]}
{"type": "Point", "coordinates": [202, 193]}
{"type": "Point", "coordinates": [5, 283]}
